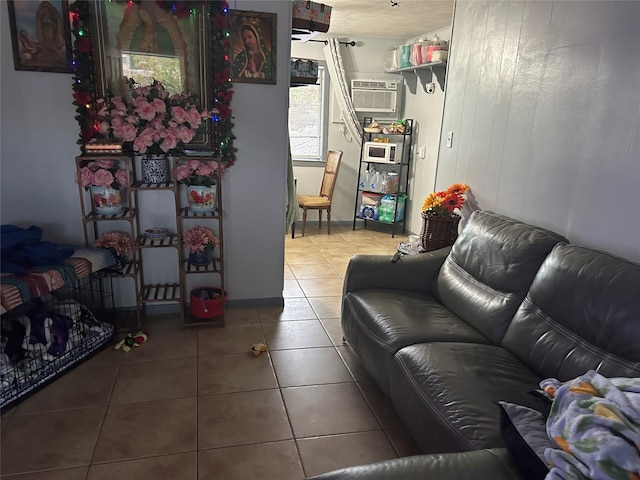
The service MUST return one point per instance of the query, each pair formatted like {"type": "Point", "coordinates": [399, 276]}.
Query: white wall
{"type": "Point", "coordinates": [544, 103]}
{"type": "Point", "coordinates": [37, 165]}
{"type": "Point", "coordinates": [426, 110]}
{"type": "Point", "coordinates": [38, 147]}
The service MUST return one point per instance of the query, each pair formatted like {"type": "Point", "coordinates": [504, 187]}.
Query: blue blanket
{"type": "Point", "coordinates": [596, 423]}
{"type": "Point", "coordinates": [22, 248]}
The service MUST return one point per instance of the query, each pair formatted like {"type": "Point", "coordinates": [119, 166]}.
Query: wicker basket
{"type": "Point", "coordinates": [438, 232]}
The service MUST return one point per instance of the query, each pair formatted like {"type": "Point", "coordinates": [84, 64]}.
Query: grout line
{"type": "Point", "coordinates": [284, 404]}
{"type": "Point", "coordinates": [104, 416]}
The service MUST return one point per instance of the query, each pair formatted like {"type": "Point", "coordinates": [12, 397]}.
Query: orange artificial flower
{"type": "Point", "coordinates": [444, 203]}
{"type": "Point", "coordinates": [457, 189]}
{"type": "Point", "coordinates": [453, 201]}
{"type": "Point", "coordinates": [433, 200]}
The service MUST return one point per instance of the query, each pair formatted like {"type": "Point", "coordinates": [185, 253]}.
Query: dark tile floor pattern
{"type": "Point", "coordinates": [194, 404]}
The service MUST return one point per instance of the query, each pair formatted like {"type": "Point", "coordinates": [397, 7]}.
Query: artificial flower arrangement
{"type": "Point", "coordinates": [84, 51]}
{"type": "Point", "coordinates": [444, 203]}
{"type": "Point", "coordinates": [103, 173]}
{"type": "Point", "coordinates": [119, 242]}
{"type": "Point", "coordinates": [197, 172]}
{"type": "Point", "coordinates": [153, 122]}
{"type": "Point", "coordinates": [198, 239]}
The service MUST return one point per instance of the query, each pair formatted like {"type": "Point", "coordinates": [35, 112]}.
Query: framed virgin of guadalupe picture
{"type": "Point", "coordinates": [253, 46]}
{"type": "Point", "coordinates": [40, 35]}
{"type": "Point", "coordinates": [139, 42]}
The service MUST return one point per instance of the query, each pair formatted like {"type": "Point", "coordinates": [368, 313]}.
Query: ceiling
{"type": "Point", "coordinates": [378, 18]}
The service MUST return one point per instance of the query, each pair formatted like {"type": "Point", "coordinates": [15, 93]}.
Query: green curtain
{"type": "Point", "coordinates": [292, 211]}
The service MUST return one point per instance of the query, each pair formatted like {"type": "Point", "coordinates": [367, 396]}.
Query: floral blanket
{"type": "Point", "coordinates": [596, 423]}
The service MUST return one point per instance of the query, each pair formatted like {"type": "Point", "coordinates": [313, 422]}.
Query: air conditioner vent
{"type": "Point", "coordinates": [374, 100]}
{"type": "Point", "coordinates": [379, 96]}
{"type": "Point", "coordinates": [374, 85]}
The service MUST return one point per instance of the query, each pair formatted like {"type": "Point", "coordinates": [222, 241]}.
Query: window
{"type": "Point", "coordinates": [308, 118]}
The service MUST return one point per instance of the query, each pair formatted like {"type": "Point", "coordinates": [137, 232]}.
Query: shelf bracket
{"type": "Point", "coordinates": [425, 76]}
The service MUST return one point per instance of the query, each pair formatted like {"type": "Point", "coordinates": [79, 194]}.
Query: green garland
{"type": "Point", "coordinates": [84, 79]}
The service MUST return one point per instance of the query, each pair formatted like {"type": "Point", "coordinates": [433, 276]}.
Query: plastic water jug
{"type": "Point", "coordinates": [375, 182]}
{"type": "Point", "coordinates": [364, 180]}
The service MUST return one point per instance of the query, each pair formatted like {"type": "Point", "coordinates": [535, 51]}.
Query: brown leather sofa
{"type": "Point", "coordinates": [448, 334]}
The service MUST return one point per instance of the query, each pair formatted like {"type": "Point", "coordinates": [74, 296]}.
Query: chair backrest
{"type": "Point", "coordinates": [330, 173]}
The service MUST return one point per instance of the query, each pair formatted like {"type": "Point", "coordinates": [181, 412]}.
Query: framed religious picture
{"type": "Point", "coordinates": [40, 35]}
{"type": "Point", "coordinates": [139, 42]}
{"type": "Point", "coordinates": [253, 46]}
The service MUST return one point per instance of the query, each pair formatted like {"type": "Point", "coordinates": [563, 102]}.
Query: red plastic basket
{"type": "Point", "coordinates": [207, 302]}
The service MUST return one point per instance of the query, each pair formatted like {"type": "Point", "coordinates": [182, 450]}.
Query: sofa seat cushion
{"type": "Point", "coordinates": [380, 322]}
{"type": "Point", "coordinates": [447, 393]}
{"type": "Point", "coordinates": [494, 464]}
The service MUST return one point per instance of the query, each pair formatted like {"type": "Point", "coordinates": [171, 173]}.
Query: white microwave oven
{"type": "Point", "coordinates": [378, 152]}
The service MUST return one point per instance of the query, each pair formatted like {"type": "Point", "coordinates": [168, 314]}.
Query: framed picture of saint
{"type": "Point", "coordinates": [253, 46]}
{"type": "Point", "coordinates": [142, 41]}
{"type": "Point", "coordinates": [40, 35]}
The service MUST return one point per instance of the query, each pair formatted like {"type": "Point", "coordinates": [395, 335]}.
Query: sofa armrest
{"type": "Point", "coordinates": [495, 464]}
{"type": "Point", "coordinates": [409, 272]}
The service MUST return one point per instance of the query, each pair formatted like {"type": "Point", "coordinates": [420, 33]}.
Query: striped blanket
{"type": "Point", "coordinates": [15, 289]}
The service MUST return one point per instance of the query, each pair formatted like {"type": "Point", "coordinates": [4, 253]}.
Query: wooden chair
{"type": "Point", "coordinates": [323, 200]}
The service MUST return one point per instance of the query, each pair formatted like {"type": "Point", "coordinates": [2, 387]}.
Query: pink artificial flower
{"type": "Point", "coordinates": [156, 123]}
{"type": "Point", "coordinates": [139, 102]}
{"type": "Point", "coordinates": [117, 122]}
{"type": "Point", "coordinates": [146, 111]}
{"type": "Point", "coordinates": [159, 105]}
{"type": "Point", "coordinates": [104, 127]}
{"type": "Point", "coordinates": [132, 119]}
{"type": "Point", "coordinates": [193, 117]}
{"type": "Point", "coordinates": [122, 177]}
{"type": "Point", "coordinates": [178, 114]}
{"type": "Point", "coordinates": [194, 165]}
{"type": "Point", "coordinates": [170, 141]}
{"type": "Point", "coordinates": [128, 132]}
{"type": "Point", "coordinates": [119, 104]}
{"type": "Point", "coordinates": [146, 137]}
{"type": "Point", "coordinates": [120, 242]}
{"type": "Point", "coordinates": [86, 177]}
{"type": "Point", "coordinates": [205, 113]}
{"type": "Point", "coordinates": [139, 146]}
{"type": "Point", "coordinates": [185, 134]}
{"type": "Point", "coordinates": [205, 169]}
{"type": "Point", "coordinates": [182, 171]}
{"type": "Point", "coordinates": [103, 178]}
{"type": "Point", "coordinates": [198, 238]}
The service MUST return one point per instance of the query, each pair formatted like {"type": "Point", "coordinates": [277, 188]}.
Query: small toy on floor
{"type": "Point", "coordinates": [258, 348]}
{"type": "Point", "coordinates": [130, 340]}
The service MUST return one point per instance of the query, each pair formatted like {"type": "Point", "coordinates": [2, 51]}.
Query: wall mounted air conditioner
{"type": "Point", "coordinates": [379, 96]}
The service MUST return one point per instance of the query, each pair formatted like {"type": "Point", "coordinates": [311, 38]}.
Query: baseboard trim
{"type": "Point", "coordinates": [174, 308]}
{"type": "Point", "coordinates": [256, 302]}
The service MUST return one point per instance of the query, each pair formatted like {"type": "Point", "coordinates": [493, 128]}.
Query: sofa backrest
{"type": "Point", "coordinates": [582, 312]}
{"type": "Point", "coordinates": [490, 268]}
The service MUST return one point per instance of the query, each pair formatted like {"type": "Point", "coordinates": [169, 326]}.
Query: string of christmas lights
{"type": "Point", "coordinates": [84, 80]}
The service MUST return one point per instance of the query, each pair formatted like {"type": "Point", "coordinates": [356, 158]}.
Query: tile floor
{"type": "Point", "coordinates": [194, 404]}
